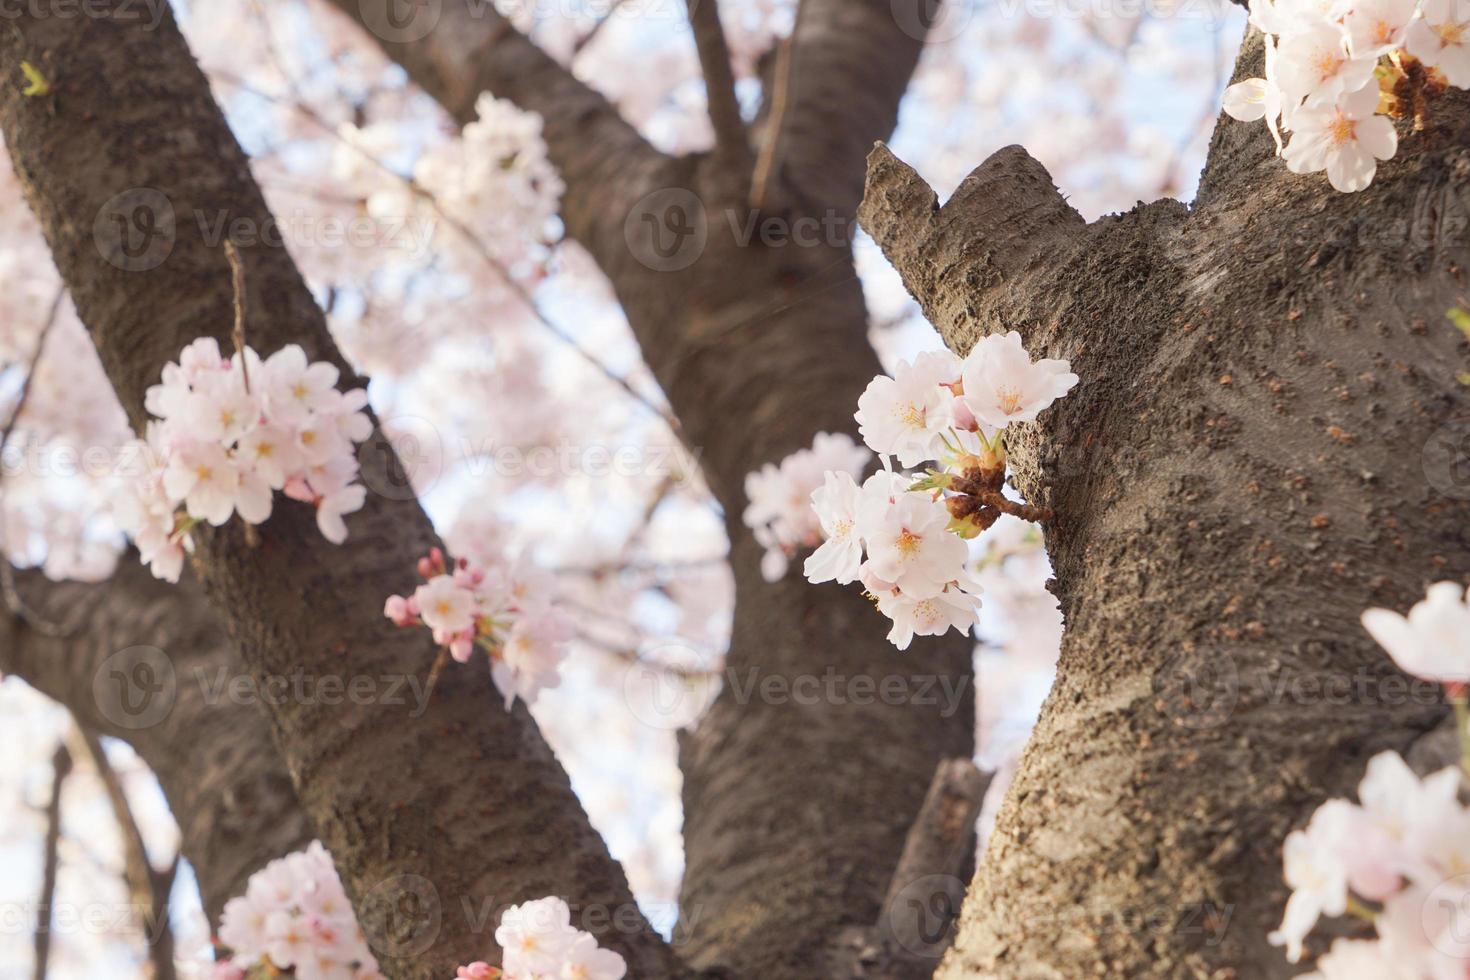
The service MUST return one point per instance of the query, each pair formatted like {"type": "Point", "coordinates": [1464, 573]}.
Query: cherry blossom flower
{"type": "Point", "coordinates": [779, 513]}
{"type": "Point", "coordinates": [1358, 959]}
{"type": "Point", "coordinates": [204, 478]}
{"type": "Point", "coordinates": [585, 960]}
{"type": "Point", "coordinates": [1440, 38]}
{"type": "Point", "coordinates": [221, 447]}
{"type": "Point", "coordinates": [1316, 872]}
{"type": "Point", "coordinates": [1259, 98]}
{"type": "Point", "coordinates": [1315, 68]}
{"type": "Point", "coordinates": [298, 388]}
{"type": "Point", "coordinates": [911, 547]}
{"type": "Point", "coordinates": [444, 605]}
{"type": "Point", "coordinates": [1433, 641]}
{"type": "Point", "coordinates": [836, 507]}
{"type": "Point", "coordinates": [1003, 385]}
{"type": "Point", "coordinates": [530, 661]}
{"type": "Point", "coordinates": [1376, 27]}
{"type": "Point", "coordinates": [536, 936]}
{"type": "Point", "coordinates": [479, 970]}
{"type": "Point", "coordinates": [1347, 140]}
{"type": "Point", "coordinates": [930, 616]}
{"type": "Point", "coordinates": [506, 610]}
{"type": "Point", "coordinates": [907, 415]}
{"type": "Point", "coordinates": [295, 916]}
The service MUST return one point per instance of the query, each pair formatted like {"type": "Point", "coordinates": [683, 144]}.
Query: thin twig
{"type": "Point", "coordinates": [237, 289]}
{"type": "Point", "coordinates": [732, 146]}
{"type": "Point", "coordinates": [60, 766]}
{"type": "Point", "coordinates": [148, 887]}
{"type": "Point", "coordinates": [13, 600]}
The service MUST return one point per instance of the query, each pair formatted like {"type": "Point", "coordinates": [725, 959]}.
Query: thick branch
{"type": "Point", "coordinates": [732, 147]}
{"type": "Point", "coordinates": [851, 62]}
{"type": "Point", "coordinates": [1005, 219]}
{"type": "Point", "coordinates": [146, 662]}
{"type": "Point", "coordinates": [449, 807]}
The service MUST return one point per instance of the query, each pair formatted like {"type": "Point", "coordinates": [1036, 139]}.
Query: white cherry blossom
{"type": "Point", "coordinates": [1003, 385]}
{"type": "Point", "coordinates": [1347, 140]}
{"type": "Point", "coordinates": [1433, 641]}
{"type": "Point", "coordinates": [1440, 38]}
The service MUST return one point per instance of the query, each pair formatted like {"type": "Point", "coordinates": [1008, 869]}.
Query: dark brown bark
{"type": "Point", "coordinates": [50, 864]}
{"type": "Point", "coordinates": [436, 815]}
{"type": "Point", "coordinates": [147, 663]}
{"type": "Point", "coordinates": [795, 814]}
{"type": "Point", "coordinates": [1259, 449]}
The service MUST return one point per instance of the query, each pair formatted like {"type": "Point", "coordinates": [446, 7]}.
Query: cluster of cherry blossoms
{"type": "Point", "coordinates": [295, 916]}
{"type": "Point", "coordinates": [1339, 72]}
{"type": "Point", "coordinates": [504, 610]}
{"type": "Point", "coordinates": [936, 409]}
{"type": "Point", "coordinates": [227, 433]}
{"type": "Point", "coordinates": [780, 512]}
{"type": "Point", "coordinates": [539, 941]}
{"type": "Point", "coordinates": [1397, 858]}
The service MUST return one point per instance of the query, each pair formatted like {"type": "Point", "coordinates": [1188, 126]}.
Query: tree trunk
{"type": "Point", "coordinates": [1263, 444]}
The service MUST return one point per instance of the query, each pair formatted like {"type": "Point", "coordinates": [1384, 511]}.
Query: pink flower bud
{"type": "Point", "coordinates": [462, 646]}
{"type": "Point", "coordinates": [476, 971]}
{"type": "Point", "coordinates": [426, 568]}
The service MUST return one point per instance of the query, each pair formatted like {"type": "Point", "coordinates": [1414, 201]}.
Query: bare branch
{"type": "Point", "coordinates": [51, 860]}
{"type": "Point", "coordinates": [13, 601]}
{"type": "Point", "coordinates": [732, 146]}
{"type": "Point", "coordinates": [148, 887]}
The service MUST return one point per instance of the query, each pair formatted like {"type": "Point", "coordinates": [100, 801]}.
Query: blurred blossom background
{"type": "Point", "coordinates": [506, 374]}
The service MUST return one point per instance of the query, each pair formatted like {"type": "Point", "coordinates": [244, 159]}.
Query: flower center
{"type": "Point", "coordinates": [1450, 32]}
{"type": "Point", "coordinates": [1341, 130]}
{"type": "Point", "coordinates": [912, 415]}
{"type": "Point", "coordinates": [1326, 63]}
{"type": "Point", "coordinates": [298, 390]}
{"type": "Point", "coordinates": [908, 542]}
{"type": "Point", "coordinates": [1010, 400]}
{"type": "Point", "coordinates": [841, 528]}
{"type": "Point", "coordinates": [926, 612]}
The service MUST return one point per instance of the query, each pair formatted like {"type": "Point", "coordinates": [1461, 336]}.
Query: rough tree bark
{"type": "Point", "coordinates": [213, 753]}
{"type": "Point", "coordinates": [435, 818]}
{"type": "Point", "coordinates": [1263, 444]}
{"type": "Point", "coordinates": [795, 814]}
